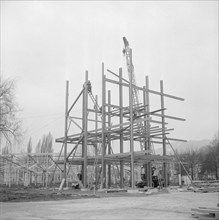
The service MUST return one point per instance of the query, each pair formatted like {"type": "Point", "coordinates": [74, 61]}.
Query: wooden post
{"type": "Point", "coordinates": [103, 174]}
{"type": "Point", "coordinates": [131, 126]}
{"type": "Point", "coordinates": [121, 133]}
{"type": "Point", "coordinates": [163, 134]}
{"type": "Point", "coordinates": [27, 173]}
{"type": "Point", "coordinates": [145, 174]}
{"type": "Point", "coordinates": [23, 177]}
{"type": "Point", "coordinates": [47, 165]}
{"type": "Point", "coordinates": [148, 144]}
{"type": "Point", "coordinates": [66, 132]}
{"type": "Point", "coordinates": [85, 118]}
{"type": "Point", "coordinates": [10, 173]}
{"type": "Point", "coordinates": [180, 178]}
{"type": "Point", "coordinates": [17, 176]}
{"type": "Point", "coordinates": [109, 138]}
{"type": "Point", "coordinates": [96, 144]}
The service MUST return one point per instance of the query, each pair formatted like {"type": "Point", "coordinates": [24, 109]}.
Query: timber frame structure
{"type": "Point", "coordinates": [106, 150]}
{"type": "Point", "coordinates": [125, 125]}
{"type": "Point", "coordinates": [38, 169]}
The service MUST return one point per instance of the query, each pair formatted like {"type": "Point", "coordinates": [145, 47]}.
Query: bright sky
{"type": "Point", "coordinates": [44, 43]}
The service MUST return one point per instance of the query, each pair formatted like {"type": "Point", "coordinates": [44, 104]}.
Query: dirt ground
{"type": "Point", "coordinates": [34, 204]}
{"type": "Point", "coordinates": [26, 194]}
{"type": "Point", "coordinates": [29, 194]}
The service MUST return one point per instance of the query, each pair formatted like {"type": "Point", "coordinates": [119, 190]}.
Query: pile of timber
{"type": "Point", "coordinates": [115, 190]}
{"type": "Point", "coordinates": [204, 213]}
{"type": "Point", "coordinates": [204, 183]}
{"type": "Point", "coordinates": [206, 186]}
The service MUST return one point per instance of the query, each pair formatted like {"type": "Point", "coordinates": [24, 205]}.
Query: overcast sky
{"type": "Point", "coordinates": [45, 43]}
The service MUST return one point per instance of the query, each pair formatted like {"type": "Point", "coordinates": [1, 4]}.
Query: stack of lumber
{"type": "Point", "coordinates": [207, 189]}
{"type": "Point", "coordinates": [113, 190]}
{"type": "Point", "coordinates": [206, 186]}
{"type": "Point", "coordinates": [204, 213]}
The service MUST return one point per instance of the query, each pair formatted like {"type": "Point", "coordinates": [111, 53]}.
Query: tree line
{"type": "Point", "coordinates": [203, 163]}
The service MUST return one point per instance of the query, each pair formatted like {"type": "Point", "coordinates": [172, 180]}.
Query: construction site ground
{"type": "Point", "coordinates": [48, 203]}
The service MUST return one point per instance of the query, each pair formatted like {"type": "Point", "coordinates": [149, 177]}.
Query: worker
{"type": "Point", "coordinates": [155, 174]}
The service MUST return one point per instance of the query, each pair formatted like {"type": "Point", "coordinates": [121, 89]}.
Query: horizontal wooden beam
{"type": "Point", "coordinates": [146, 90]}
{"type": "Point", "coordinates": [168, 116]}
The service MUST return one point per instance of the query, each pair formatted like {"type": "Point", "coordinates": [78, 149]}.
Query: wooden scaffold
{"type": "Point", "coordinates": [36, 169]}
{"type": "Point", "coordinates": [126, 125]}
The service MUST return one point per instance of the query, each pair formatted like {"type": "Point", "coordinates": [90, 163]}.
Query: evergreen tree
{"type": "Point", "coordinates": [29, 146]}
{"type": "Point", "coordinates": [38, 147]}
{"type": "Point", "coordinates": [46, 146]}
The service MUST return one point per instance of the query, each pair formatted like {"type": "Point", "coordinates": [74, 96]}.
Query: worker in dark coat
{"type": "Point", "coordinates": [155, 174]}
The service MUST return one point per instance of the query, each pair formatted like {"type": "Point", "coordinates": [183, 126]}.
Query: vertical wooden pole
{"type": "Point", "coordinates": [109, 138]}
{"type": "Point", "coordinates": [17, 176]}
{"type": "Point", "coordinates": [66, 132]}
{"type": "Point", "coordinates": [10, 173]}
{"type": "Point", "coordinates": [60, 176]}
{"type": "Point", "coordinates": [131, 125]}
{"type": "Point", "coordinates": [85, 117]}
{"type": "Point", "coordinates": [47, 165]}
{"type": "Point", "coordinates": [145, 174]}
{"type": "Point", "coordinates": [96, 144]}
{"type": "Point", "coordinates": [103, 174]}
{"type": "Point", "coordinates": [163, 134]}
{"type": "Point", "coordinates": [147, 102]}
{"type": "Point", "coordinates": [23, 177]}
{"type": "Point", "coordinates": [27, 172]}
{"type": "Point", "coordinates": [180, 177]}
{"type": "Point", "coordinates": [121, 121]}
{"type": "Point", "coordinates": [5, 170]}
{"type": "Point", "coordinates": [43, 178]}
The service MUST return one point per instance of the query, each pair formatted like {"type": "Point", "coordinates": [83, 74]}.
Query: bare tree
{"type": "Point", "coordinates": [191, 160]}
{"type": "Point", "coordinates": [210, 157]}
{"type": "Point", "coordinates": [10, 126]}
